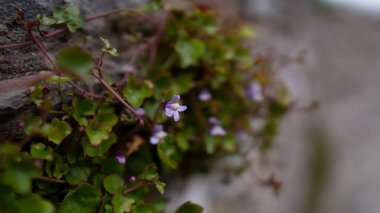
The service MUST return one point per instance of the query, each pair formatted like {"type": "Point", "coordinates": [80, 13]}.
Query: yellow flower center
{"type": "Point", "coordinates": [175, 106]}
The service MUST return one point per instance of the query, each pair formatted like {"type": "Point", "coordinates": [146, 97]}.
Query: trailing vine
{"type": "Point", "coordinates": [96, 144]}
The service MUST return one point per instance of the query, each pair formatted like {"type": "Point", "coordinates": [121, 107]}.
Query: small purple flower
{"type": "Point", "coordinates": [120, 157]}
{"type": "Point", "coordinates": [140, 111]}
{"type": "Point", "coordinates": [216, 128]}
{"type": "Point", "coordinates": [158, 134]}
{"type": "Point", "coordinates": [132, 179]}
{"type": "Point", "coordinates": [204, 95]}
{"type": "Point", "coordinates": [255, 92]}
{"type": "Point", "coordinates": [172, 108]}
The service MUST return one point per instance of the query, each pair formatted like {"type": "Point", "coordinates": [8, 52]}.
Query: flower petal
{"type": "Point", "coordinates": [176, 116]}
{"type": "Point", "coordinates": [158, 128]}
{"type": "Point", "coordinates": [169, 112]}
{"type": "Point", "coordinates": [175, 99]}
{"type": "Point", "coordinates": [154, 140]}
{"type": "Point", "coordinates": [182, 108]}
{"type": "Point", "coordinates": [218, 131]}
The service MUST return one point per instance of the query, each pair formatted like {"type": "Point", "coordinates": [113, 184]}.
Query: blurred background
{"type": "Point", "coordinates": [327, 160]}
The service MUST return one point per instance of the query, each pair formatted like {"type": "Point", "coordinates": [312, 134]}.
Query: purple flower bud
{"type": "Point", "coordinates": [158, 134]}
{"type": "Point", "coordinates": [217, 131]}
{"type": "Point", "coordinates": [255, 92]}
{"type": "Point", "coordinates": [216, 128]}
{"type": "Point", "coordinates": [120, 157]}
{"type": "Point", "coordinates": [45, 90]}
{"type": "Point", "coordinates": [132, 179]}
{"type": "Point", "coordinates": [37, 163]}
{"type": "Point", "coordinates": [140, 111]}
{"type": "Point", "coordinates": [204, 95]}
{"type": "Point", "coordinates": [172, 108]}
{"type": "Point", "coordinates": [20, 124]}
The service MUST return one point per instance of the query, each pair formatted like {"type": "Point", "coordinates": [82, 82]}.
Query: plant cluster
{"type": "Point", "coordinates": [97, 144]}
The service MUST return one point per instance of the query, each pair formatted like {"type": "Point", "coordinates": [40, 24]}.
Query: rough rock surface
{"type": "Point", "coordinates": [27, 60]}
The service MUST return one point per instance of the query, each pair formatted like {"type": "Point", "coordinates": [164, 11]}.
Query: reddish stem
{"type": "Point", "coordinates": [138, 185]}
{"type": "Point", "coordinates": [117, 95]}
{"type": "Point", "coordinates": [49, 179]}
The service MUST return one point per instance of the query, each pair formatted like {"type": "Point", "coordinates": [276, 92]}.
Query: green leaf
{"type": "Point", "coordinates": [165, 152]}
{"type": "Point", "coordinates": [84, 199]}
{"type": "Point", "coordinates": [58, 79]}
{"type": "Point", "coordinates": [189, 207]}
{"type": "Point", "coordinates": [100, 126]}
{"type": "Point", "coordinates": [184, 82]}
{"type": "Point", "coordinates": [8, 150]}
{"type": "Point", "coordinates": [107, 47]}
{"type": "Point", "coordinates": [106, 43]}
{"type": "Point", "coordinates": [56, 131]}
{"type": "Point", "coordinates": [41, 151]}
{"type": "Point", "coordinates": [59, 14]}
{"type": "Point", "coordinates": [111, 166]}
{"type": "Point", "coordinates": [32, 123]}
{"type": "Point", "coordinates": [36, 94]}
{"type": "Point", "coordinates": [106, 116]}
{"type": "Point", "coordinates": [144, 208]}
{"type": "Point", "coordinates": [45, 20]}
{"type": "Point", "coordinates": [150, 173]}
{"type": "Point", "coordinates": [229, 143]}
{"type": "Point", "coordinates": [60, 170]}
{"type": "Point", "coordinates": [108, 208]}
{"type": "Point", "coordinates": [82, 108]}
{"type": "Point", "coordinates": [74, 20]}
{"type": "Point", "coordinates": [96, 133]}
{"type": "Point", "coordinates": [35, 204]}
{"type": "Point", "coordinates": [136, 93]}
{"type": "Point", "coordinates": [19, 174]}
{"type": "Point", "coordinates": [69, 15]}
{"type": "Point", "coordinates": [190, 51]}
{"type": "Point", "coordinates": [211, 142]}
{"type": "Point", "coordinates": [98, 180]}
{"type": "Point", "coordinates": [160, 186]}
{"type": "Point", "coordinates": [77, 174]}
{"type": "Point", "coordinates": [17, 179]}
{"type": "Point", "coordinates": [153, 5]}
{"type": "Point", "coordinates": [75, 62]}
{"type": "Point", "coordinates": [182, 140]}
{"type": "Point", "coordinates": [113, 52]}
{"type": "Point", "coordinates": [247, 32]}
{"type": "Point", "coordinates": [113, 184]}
{"type": "Point", "coordinates": [122, 203]}
{"type": "Point", "coordinates": [98, 151]}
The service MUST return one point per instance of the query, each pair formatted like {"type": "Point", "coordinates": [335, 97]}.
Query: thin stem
{"type": "Point", "coordinates": [138, 185]}
{"type": "Point", "coordinates": [49, 179]}
{"type": "Point", "coordinates": [117, 95]}
{"type": "Point", "coordinates": [118, 10]}
{"type": "Point", "coordinates": [84, 93]}
{"type": "Point", "coordinates": [42, 48]}
{"type": "Point", "coordinates": [26, 43]}
{"type": "Point", "coordinates": [155, 40]}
